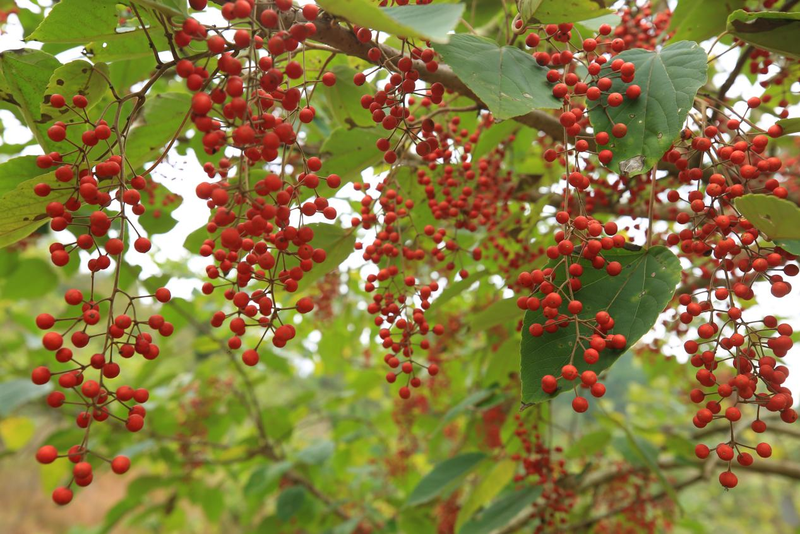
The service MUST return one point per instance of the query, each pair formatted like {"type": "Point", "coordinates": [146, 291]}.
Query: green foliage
{"type": "Point", "coordinates": [98, 21]}
{"type": "Point", "coordinates": [555, 11]}
{"type": "Point", "coordinates": [669, 79]}
{"type": "Point", "coordinates": [698, 20]}
{"type": "Point", "coordinates": [777, 218]}
{"type": "Point", "coordinates": [24, 75]}
{"type": "Point", "coordinates": [16, 170]}
{"type": "Point", "coordinates": [790, 126]}
{"type": "Point", "coordinates": [770, 30]}
{"type": "Point", "coordinates": [163, 117]}
{"type": "Point", "coordinates": [74, 78]}
{"type": "Point", "coordinates": [313, 439]}
{"type": "Point", "coordinates": [343, 100]}
{"type": "Point", "coordinates": [506, 79]}
{"type": "Point", "coordinates": [348, 151]}
{"type": "Point", "coordinates": [501, 511]}
{"type": "Point", "coordinates": [444, 476]}
{"type": "Point", "coordinates": [426, 22]}
{"type": "Point", "coordinates": [22, 211]}
{"type": "Point", "coordinates": [634, 299]}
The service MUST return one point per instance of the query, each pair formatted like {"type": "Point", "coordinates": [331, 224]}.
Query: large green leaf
{"type": "Point", "coordinates": [669, 79]}
{"type": "Point", "coordinates": [589, 444]}
{"type": "Point", "coordinates": [159, 204]}
{"type": "Point", "coordinates": [129, 45]}
{"type": "Point", "coordinates": [443, 476]}
{"type": "Point", "coordinates": [337, 242]}
{"type": "Point", "coordinates": [17, 170]}
{"type": "Point", "coordinates": [493, 136]}
{"type": "Point", "coordinates": [429, 22]}
{"type": "Point", "coordinates": [489, 487]}
{"type": "Point", "coordinates": [25, 74]}
{"type": "Point", "coordinates": [698, 20]}
{"type": "Point", "coordinates": [74, 78]}
{"type": "Point", "coordinates": [771, 30]}
{"type": "Point", "coordinates": [790, 126]}
{"type": "Point", "coordinates": [777, 218]}
{"type": "Point", "coordinates": [347, 152]}
{"type": "Point", "coordinates": [22, 211]}
{"type": "Point", "coordinates": [78, 21]}
{"type": "Point", "coordinates": [502, 511]}
{"type": "Point", "coordinates": [555, 11]}
{"type": "Point", "coordinates": [163, 115]}
{"type": "Point", "coordinates": [499, 312]}
{"type": "Point", "coordinates": [634, 299]}
{"type": "Point", "coordinates": [290, 501]}
{"type": "Point", "coordinates": [33, 278]}
{"type": "Point", "coordinates": [15, 393]}
{"type": "Point", "coordinates": [344, 99]}
{"type": "Point", "coordinates": [506, 79]}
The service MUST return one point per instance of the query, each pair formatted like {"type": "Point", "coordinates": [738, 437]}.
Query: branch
{"type": "Point", "coordinates": [330, 33]}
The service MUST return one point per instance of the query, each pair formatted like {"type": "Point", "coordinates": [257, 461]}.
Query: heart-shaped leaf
{"type": "Point", "coordinates": [506, 79]}
{"type": "Point", "coordinates": [669, 79]}
{"type": "Point", "coordinates": [634, 299]}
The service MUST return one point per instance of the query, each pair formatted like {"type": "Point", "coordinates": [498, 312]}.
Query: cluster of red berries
{"type": "Point", "coordinates": [254, 105]}
{"type": "Point", "coordinates": [92, 202]}
{"type": "Point", "coordinates": [543, 466]}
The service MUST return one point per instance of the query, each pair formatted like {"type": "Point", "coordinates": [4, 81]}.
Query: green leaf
{"type": "Point", "coordinates": [589, 444]}
{"type": "Point", "coordinates": [347, 152]}
{"type": "Point", "coordinates": [163, 115]}
{"type": "Point", "coordinates": [493, 136]}
{"type": "Point", "coordinates": [646, 453]}
{"type": "Point", "coordinates": [442, 476]}
{"type": "Point", "coordinates": [265, 478]}
{"type": "Point", "coordinates": [489, 487]}
{"type": "Point", "coordinates": [634, 299]}
{"type": "Point", "coordinates": [127, 46]}
{"type": "Point", "coordinates": [78, 21]}
{"type": "Point", "coordinates": [468, 402]}
{"type": "Point", "coordinates": [771, 30]}
{"type": "Point", "coordinates": [15, 393]}
{"type": "Point", "coordinates": [777, 218]}
{"type": "Point", "coordinates": [26, 74]}
{"type": "Point", "coordinates": [22, 212]}
{"type": "Point", "coordinates": [31, 279]}
{"type": "Point", "coordinates": [159, 204]}
{"type": "Point", "coordinates": [344, 99]}
{"type": "Point", "coordinates": [669, 79]}
{"type": "Point", "coordinates": [429, 22]}
{"type": "Point", "coordinates": [74, 78]}
{"type": "Point", "coordinates": [507, 80]}
{"type": "Point", "coordinates": [17, 170]}
{"type": "Point", "coordinates": [316, 453]}
{"type": "Point", "coordinates": [171, 8]}
{"type": "Point", "coordinates": [290, 501]}
{"type": "Point", "coordinates": [499, 312]}
{"type": "Point", "coordinates": [555, 11]}
{"type": "Point", "coordinates": [502, 511]}
{"type": "Point", "coordinates": [16, 432]}
{"type": "Point", "coordinates": [698, 20]}
{"type": "Point", "coordinates": [790, 126]}
{"type": "Point", "coordinates": [337, 242]}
